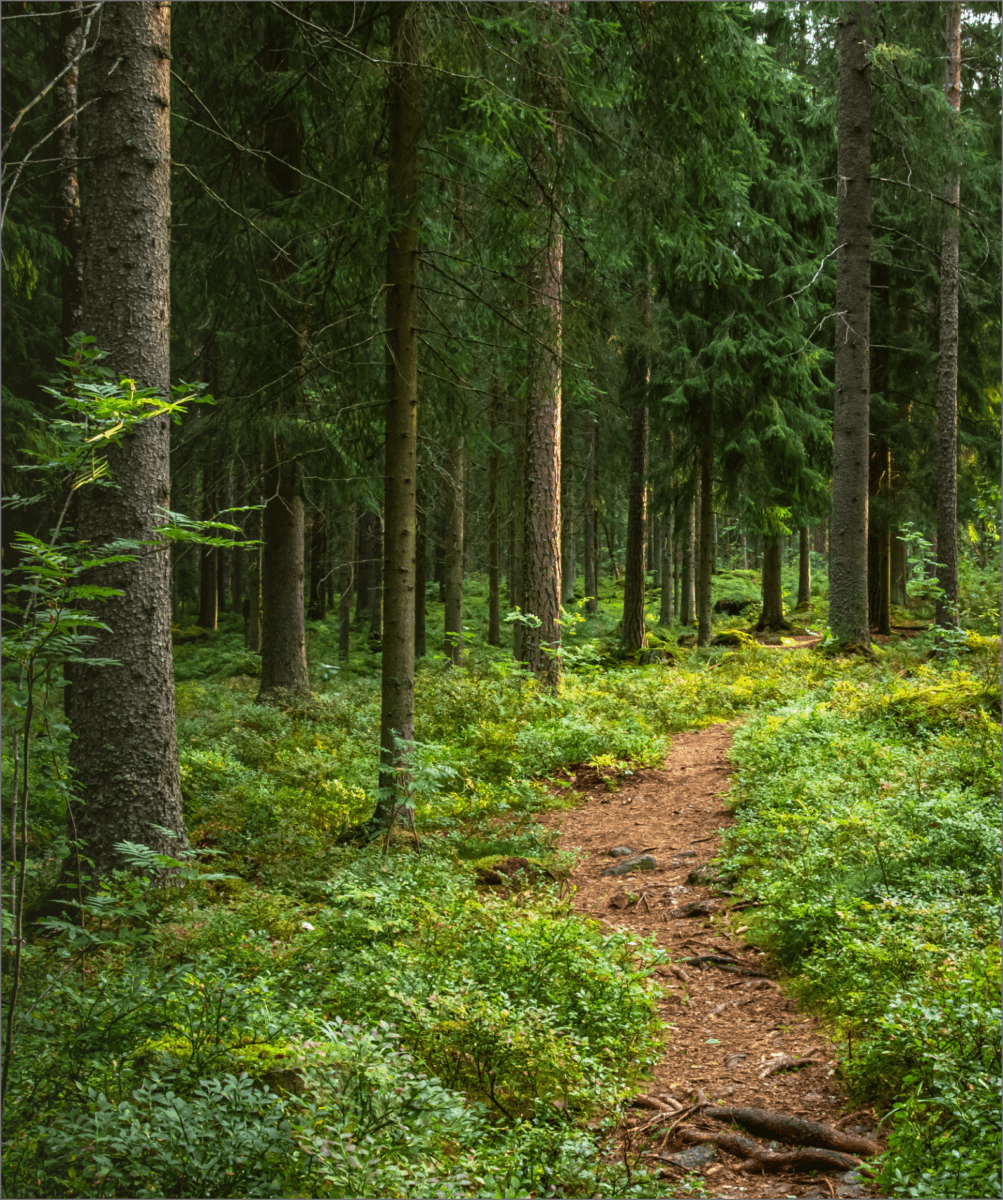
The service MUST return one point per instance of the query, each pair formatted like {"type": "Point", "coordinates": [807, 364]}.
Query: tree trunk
{"type": "Point", "coordinates": [364, 572]}
{"type": "Point", "coordinates": [67, 205]}
{"type": "Point", "coordinates": [400, 491]}
{"type": "Point", "coordinates": [494, 522]}
{"type": "Point", "coordinates": [453, 641]}
{"type": "Point", "coordinates": [376, 595]}
{"type": "Point", "coordinates": [135, 792]}
{"type": "Point", "coordinates": [347, 579]}
{"type": "Point", "coordinates": [804, 568]}
{"type": "Point", "coordinates": [420, 567]}
{"type": "Point", "coordinates": [705, 569]}
{"type": "Point", "coordinates": [567, 512]}
{"type": "Point", "coordinates": [517, 588]}
{"type": "Point", "coordinates": [686, 574]}
{"type": "Point", "coordinates": [208, 574]}
{"type": "Point", "coordinates": [319, 565]}
{"type": "Point", "coordinates": [879, 584]}
{"type": "Point", "coordinates": [591, 523]}
{"type": "Point", "coordinates": [947, 379]}
{"type": "Point", "coordinates": [634, 633]}
{"type": "Point", "coordinates": [666, 615]}
{"type": "Point", "coordinates": [283, 631]}
{"type": "Point", "coordinates": [252, 629]}
{"type": "Point", "coordinates": [541, 640]}
{"type": "Point", "coordinates": [772, 616]}
{"type": "Point", "coordinates": [848, 616]}
{"type": "Point", "coordinates": [899, 571]}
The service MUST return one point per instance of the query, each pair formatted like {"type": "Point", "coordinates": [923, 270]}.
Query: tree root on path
{"type": "Point", "coordinates": [794, 1130]}
{"type": "Point", "coordinates": [758, 1159]}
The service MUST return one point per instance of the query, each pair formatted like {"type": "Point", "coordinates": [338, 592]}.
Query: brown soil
{"type": "Point", "coordinates": [722, 1029]}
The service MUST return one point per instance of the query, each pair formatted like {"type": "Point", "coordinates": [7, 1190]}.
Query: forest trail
{"type": "Point", "coordinates": [723, 1029]}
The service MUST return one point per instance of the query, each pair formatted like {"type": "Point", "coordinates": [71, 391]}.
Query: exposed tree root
{"type": "Point", "coordinates": [794, 1131]}
{"type": "Point", "coordinates": [757, 1159]}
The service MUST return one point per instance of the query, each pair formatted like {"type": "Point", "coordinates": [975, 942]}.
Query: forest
{"type": "Point", "coordinates": [501, 677]}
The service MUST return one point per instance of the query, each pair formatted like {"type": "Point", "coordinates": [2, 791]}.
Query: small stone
{"type": "Point", "coordinates": [620, 852]}
{"type": "Point", "coordinates": [685, 854]}
{"type": "Point", "coordinates": [692, 1157]}
{"type": "Point", "coordinates": [698, 908]}
{"type": "Point", "coordinates": [622, 900]}
{"type": "Point", "coordinates": [641, 862]}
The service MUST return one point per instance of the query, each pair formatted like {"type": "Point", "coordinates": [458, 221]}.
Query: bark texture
{"type": "Point", "coordinates": [346, 579]}
{"type": "Point", "coordinates": [772, 616]}
{"type": "Point", "coordinates": [453, 639]}
{"type": "Point", "coordinates": [400, 486]}
{"type": "Point", "coordinates": [283, 628]}
{"type": "Point", "coordinates": [848, 615]}
{"type": "Point", "coordinates": [542, 548]}
{"type": "Point", "coordinates": [686, 572]}
{"type": "Point", "coordinates": [124, 755]}
{"type": "Point", "coordinates": [591, 523]}
{"type": "Point", "coordinates": [666, 613]}
{"type": "Point", "coordinates": [67, 206]}
{"type": "Point", "coordinates": [947, 379]}
{"type": "Point", "coordinates": [635, 635]}
{"type": "Point", "coordinates": [879, 548]}
{"type": "Point", "coordinates": [494, 522]}
{"type": "Point", "coordinates": [705, 565]}
{"type": "Point", "coordinates": [804, 568]}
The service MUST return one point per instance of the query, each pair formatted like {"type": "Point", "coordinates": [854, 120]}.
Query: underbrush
{"type": "Point", "coordinates": [309, 1018]}
{"type": "Point", "coordinates": [869, 816]}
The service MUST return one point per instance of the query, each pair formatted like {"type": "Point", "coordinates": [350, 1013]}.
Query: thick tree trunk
{"type": "Point", "coordinates": [518, 520]}
{"type": "Point", "coordinates": [804, 568]}
{"type": "Point", "coordinates": [135, 792]}
{"type": "Point", "coordinates": [848, 616]}
{"type": "Point", "coordinates": [947, 379]}
{"type": "Point", "coordinates": [634, 633]}
{"type": "Point", "coordinates": [453, 629]}
{"type": "Point", "coordinates": [400, 491]}
{"type": "Point", "coordinates": [346, 579]}
{"type": "Point", "coordinates": [283, 631]}
{"type": "Point", "coordinates": [420, 567]}
{"type": "Point", "coordinates": [705, 569]}
{"type": "Point", "coordinates": [772, 617]}
{"type": "Point", "coordinates": [494, 522]}
{"type": "Point", "coordinates": [67, 205]}
{"type": "Point", "coordinates": [591, 523]}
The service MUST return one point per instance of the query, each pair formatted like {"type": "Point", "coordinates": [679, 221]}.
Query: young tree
{"type": "Point", "coordinates": [132, 793]}
{"type": "Point", "coordinates": [848, 616]}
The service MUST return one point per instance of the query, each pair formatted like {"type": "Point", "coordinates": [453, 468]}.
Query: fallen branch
{"type": "Point", "coordinates": [757, 1159]}
{"type": "Point", "coordinates": [651, 1102]}
{"type": "Point", "coordinates": [794, 1130]}
{"type": "Point", "coordinates": [731, 965]}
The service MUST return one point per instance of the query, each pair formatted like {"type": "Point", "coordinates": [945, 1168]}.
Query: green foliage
{"type": "Point", "coordinates": [869, 815]}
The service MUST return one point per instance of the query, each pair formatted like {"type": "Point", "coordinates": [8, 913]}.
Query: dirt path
{"type": "Point", "coordinates": [723, 1029]}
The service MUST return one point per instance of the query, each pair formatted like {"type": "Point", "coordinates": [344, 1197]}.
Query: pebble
{"type": "Point", "coordinates": [692, 1157]}
{"type": "Point", "coordinates": [620, 852]}
{"type": "Point", "coordinates": [641, 862]}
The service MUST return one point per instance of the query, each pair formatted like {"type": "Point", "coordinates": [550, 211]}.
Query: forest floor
{"type": "Point", "coordinates": [724, 1031]}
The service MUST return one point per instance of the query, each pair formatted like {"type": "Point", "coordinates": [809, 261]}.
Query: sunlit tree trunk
{"type": "Point", "coordinates": [848, 615]}
{"type": "Point", "coordinates": [947, 382]}
{"type": "Point", "coordinates": [397, 685]}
